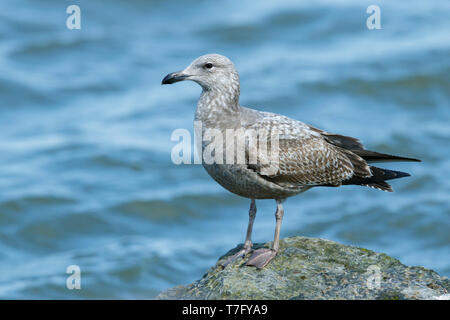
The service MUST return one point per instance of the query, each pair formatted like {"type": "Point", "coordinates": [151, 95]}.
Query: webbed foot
{"type": "Point", "coordinates": [238, 255]}
{"type": "Point", "coordinates": [261, 257]}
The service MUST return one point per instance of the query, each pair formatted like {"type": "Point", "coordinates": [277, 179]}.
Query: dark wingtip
{"type": "Point", "coordinates": [410, 159]}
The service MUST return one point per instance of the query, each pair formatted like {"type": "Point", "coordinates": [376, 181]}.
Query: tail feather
{"type": "Point", "coordinates": [384, 186]}
{"type": "Point", "coordinates": [378, 179]}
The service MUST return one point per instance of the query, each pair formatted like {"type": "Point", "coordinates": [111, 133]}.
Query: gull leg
{"type": "Point", "coordinates": [248, 238]}
{"type": "Point", "coordinates": [261, 257]}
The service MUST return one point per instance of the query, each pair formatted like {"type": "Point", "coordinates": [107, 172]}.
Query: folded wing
{"type": "Point", "coordinates": [308, 156]}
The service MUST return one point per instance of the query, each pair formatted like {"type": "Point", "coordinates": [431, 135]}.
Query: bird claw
{"type": "Point", "coordinates": [240, 254]}
{"type": "Point", "coordinates": [261, 257]}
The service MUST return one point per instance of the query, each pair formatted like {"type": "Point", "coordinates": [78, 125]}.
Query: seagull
{"type": "Point", "coordinates": [307, 156]}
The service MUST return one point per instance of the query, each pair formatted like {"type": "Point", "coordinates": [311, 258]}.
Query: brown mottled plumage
{"type": "Point", "coordinates": [307, 157]}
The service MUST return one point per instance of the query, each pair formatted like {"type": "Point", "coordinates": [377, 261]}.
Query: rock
{"type": "Point", "coordinates": [311, 268]}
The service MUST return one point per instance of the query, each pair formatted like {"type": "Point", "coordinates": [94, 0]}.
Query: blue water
{"type": "Point", "coordinates": [86, 176]}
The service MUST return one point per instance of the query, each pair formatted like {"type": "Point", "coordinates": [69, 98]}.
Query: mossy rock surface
{"type": "Point", "coordinates": [311, 268]}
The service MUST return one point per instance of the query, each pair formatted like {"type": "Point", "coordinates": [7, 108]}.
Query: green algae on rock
{"type": "Point", "coordinates": [311, 268]}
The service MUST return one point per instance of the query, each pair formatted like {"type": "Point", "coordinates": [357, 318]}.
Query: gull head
{"type": "Point", "coordinates": [211, 72]}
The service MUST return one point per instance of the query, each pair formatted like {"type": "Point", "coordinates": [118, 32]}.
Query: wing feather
{"type": "Point", "coordinates": [306, 156]}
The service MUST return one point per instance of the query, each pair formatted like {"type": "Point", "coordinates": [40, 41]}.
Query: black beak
{"type": "Point", "coordinates": [174, 77]}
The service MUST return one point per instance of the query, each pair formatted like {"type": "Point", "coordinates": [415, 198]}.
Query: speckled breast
{"type": "Point", "coordinates": [237, 178]}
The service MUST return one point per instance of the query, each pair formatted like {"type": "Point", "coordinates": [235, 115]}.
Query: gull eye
{"type": "Point", "coordinates": [208, 65]}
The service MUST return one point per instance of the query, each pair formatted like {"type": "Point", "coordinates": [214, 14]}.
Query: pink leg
{"type": "Point", "coordinates": [248, 239]}
{"type": "Point", "coordinates": [261, 257]}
